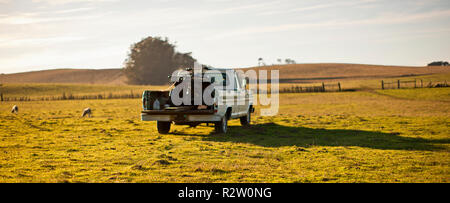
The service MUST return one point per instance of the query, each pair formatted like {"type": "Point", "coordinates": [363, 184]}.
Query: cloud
{"type": "Point", "coordinates": [37, 41]}
{"type": "Point", "coordinates": [247, 7]}
{"type": "Point", "coordinates": [266, 29]}
{"type": "Point", "coordinates": [323, 6]}
{"type": "Point", "coordinates": [45, 17]}
{"type": "Point", "coordinates": [33, 19]}
{"type": "Point", "coordinates": [74, 10]}
{"type": "Point", "coordinates": [384, 19]}
{"type": "Point", "coordinates": [399, 18]}
{"type": "Point", "coordinates": [61, 2]}
{"type": "Point", "coordinates": [181, 17]}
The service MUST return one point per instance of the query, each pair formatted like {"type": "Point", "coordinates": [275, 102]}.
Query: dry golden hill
{"type": "Point", "coordinates": [79, 76]}
{"type": "Point", "coordinates": [295, 73]}
{"type": "Point", "coordinates": [300, 73]}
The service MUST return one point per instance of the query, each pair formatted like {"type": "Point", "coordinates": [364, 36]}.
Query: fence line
{"type": "Point", "coordinates": [407, 83]}
{"type": "Point", "coordinates": [317, 88]}
{"type": "Point", "coordinates": [70, 96]}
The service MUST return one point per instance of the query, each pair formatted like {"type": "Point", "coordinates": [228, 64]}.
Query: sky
{"type": "Point", "coordinates": [50, 34]}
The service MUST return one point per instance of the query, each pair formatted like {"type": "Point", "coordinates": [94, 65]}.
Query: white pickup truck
{"type": "Point", "coordinates": [231, 100]}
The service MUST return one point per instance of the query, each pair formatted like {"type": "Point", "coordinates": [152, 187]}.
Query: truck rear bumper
{"type": "Point", "coordinates": [180, 116]}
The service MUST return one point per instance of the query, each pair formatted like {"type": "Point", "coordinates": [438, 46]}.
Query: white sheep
{"type": "Point", "coordinates": [87, 111]}
{"type": "Point", "coordinates": [15, 109]}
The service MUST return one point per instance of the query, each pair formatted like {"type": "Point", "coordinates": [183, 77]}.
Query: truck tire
{"type": "Point", "coordinates": [245, 120]}
{"type": "Point", "coordinates": [163, 127]}
{"type": "Point", "coordinates": [221, 126]}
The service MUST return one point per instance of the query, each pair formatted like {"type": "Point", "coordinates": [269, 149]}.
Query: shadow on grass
{"type": "Point", "coordinates": [274, 135]}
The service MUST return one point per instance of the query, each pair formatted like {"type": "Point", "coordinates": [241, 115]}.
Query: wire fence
{"type": "Point", "coordinates": [399, 84]}
{"type": "Point", "coordinates": [329, 87]}
{"type": "Point", "coordinates": [70, 96]}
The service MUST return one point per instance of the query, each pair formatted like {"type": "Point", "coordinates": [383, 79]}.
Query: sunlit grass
{"type": "Point", "coordinates": [317, 137]}
{"type": "Point", "coordinates": [428, 94]}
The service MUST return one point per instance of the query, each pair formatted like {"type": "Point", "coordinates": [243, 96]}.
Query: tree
{"type": "Point", "coordinates": [152, 59]}
{"type": "Point", "coordinates": [438, 63]}
{"type": "Point", "coordinates": [260, 61]}
{"type": "Point", "coordinates": [289, 61]}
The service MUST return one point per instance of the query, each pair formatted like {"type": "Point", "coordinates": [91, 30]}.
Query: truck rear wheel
{"type": "Point", "coordinates": [245, 120]}
{"type": "Point", "coordinates": [163, 127]}
{"type": "Point", "coordinates": [221, 126]}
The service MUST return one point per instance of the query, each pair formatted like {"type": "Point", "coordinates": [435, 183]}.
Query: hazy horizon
{"type": "Point", "coordinates": [97, 34]}
{"type": "Point", "coordinates": [106, 68]}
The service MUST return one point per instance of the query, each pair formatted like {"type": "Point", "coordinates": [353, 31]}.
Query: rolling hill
{"type": "Point", "coordinates": [76, 76]}
{"type": "Point", "coordinates": [294, 73]}
{"type": "Point", "coordinates": [306, 73]}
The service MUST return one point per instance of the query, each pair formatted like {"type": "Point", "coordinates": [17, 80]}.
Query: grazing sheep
{"type": "Point", "coordinates": [15, 109]}
{"type": "Point", "coordinates": [87, 111]}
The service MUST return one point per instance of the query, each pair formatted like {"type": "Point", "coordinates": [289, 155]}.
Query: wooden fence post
{"type": "Point", "coordinates": [1, 95]}
{"type": "Point", "coordinates": [415, 83]}
{"type": "Point", "coordinates": [382, 84]}
{"type": "Point", "coordinates": [339, 85]}
{"type": "Point", "coordinates": [323, 86]}
{"type": "Point", "coordinates": [421, 83]}
{"type": "Point", "coordinates": [398, 84]}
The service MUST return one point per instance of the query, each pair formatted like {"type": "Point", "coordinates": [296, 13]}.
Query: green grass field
{"type": "Point", "coordinates": [377, 136]}
{"type": "Point", "coordinates": [434, 94]}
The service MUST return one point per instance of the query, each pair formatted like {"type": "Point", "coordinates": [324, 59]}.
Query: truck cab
{"type": "Point", "coordinates": [231, 99]}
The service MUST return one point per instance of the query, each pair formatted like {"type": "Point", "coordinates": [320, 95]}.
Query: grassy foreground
{"type": "Point", "coordinates": [382, 136]}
